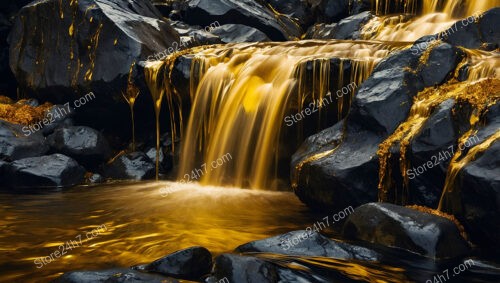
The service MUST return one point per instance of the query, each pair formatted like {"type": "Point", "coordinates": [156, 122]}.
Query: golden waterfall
{"type": "Point", "coordinates": [240, 94]}
{"type": "Point", "coordinates": [437, 16]}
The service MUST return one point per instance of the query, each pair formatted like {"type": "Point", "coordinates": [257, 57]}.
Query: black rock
{"type": "Point", "coordinates": [306, 243]}
{"type": "Point", "coordinates": [85, 45]}
{"type": "Point", "coordinates": [244, 269]}
{"type": "Point", "coordinates": [88, 146]}
{"type": "Point", "coordinates": [405, 228]}
{"type": "Point", "coordinates": [18, 142]}
{"type": "Point", "coordinates": [131, 166]}
{"type": "Point", "coordinates": [246, 12]}
{"type": "Point", "coordinates": [475, 32]}
{"type": "Point", "coordinates": [328, 11]}
{"type": "Point", "coordinates": [440, 64]}
{"type": "Point", "coordinates": [58, 116]}
{"type": "Point", "coordinates": [55, 170]}
{"type": "Point", "coordinates": [166, 159]}
{"type": "Point", "coordinates": [328, 177]}
{"type": "Point", "coordinates": [191, 263]}
{"type": "Point", "coordinates": [239, 33]}
{"type": "Point", "coordinates": [297, 9]}
{"type": "Point", "coordinates": [111, 276]}
{"type": "Point", "coordinates": [475, 197]}
{"type": "Point", "coordinates": [95, 179]}
{"type": "Point", "coordinates": [348, 28]}
{"type": "Point", "coordinates": [440, 132]}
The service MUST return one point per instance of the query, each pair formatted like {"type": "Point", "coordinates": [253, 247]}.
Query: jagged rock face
{"type": "Point", "coordinates": [62, 47]}
{"type": "Point", "coordinates": [55, 170]}
{"type": "Point", "coordinates": [404, 228]}
{"type": "Point", "coordinates": [246, 12]}
{"type": "Point", "coordinates": [343, 171]}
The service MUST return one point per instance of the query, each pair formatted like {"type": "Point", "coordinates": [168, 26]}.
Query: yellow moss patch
{"type": "Point", "coordinates": [19, 113]}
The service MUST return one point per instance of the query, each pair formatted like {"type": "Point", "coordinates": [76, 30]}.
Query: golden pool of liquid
{"type": "Point", "coordinates": [143, 221]}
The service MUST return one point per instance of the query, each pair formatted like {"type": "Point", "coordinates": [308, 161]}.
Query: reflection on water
{"type": "Point", "coordinates": [142, 225]}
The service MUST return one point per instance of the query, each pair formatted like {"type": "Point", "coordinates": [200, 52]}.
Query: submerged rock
{"type": "Point", "coordinates": [131, 166]}
{"type": "Point", "coordinates": [55, 170]}
{"type": "Point", "coordinates": [111, 276]}
{"type": "Point", "coordinates": [88, 146]}
{"type": "Point", "coordinates": [244, 269]}
{"type": "Point", "coordinates": [84, 45]}
{"type": "Point", "coordinates": [304, 243]}
{"type": "Point", "coordinates": [405, 228]}
{"type": "Point", "coordinates": [191, 263]}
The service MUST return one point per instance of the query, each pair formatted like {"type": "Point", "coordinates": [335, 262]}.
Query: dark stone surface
{"type": "Point", "coordinates": [112, 276]}
{"type": "Point", "coordinates": [404, 228]}
{"type": "Point", "coordinates": [55, 170]}
{"type": "Point", "coordinates": [246, 12]}
{"type": "Point", "coordinates": [348, 28]}
{"type": "Point", "coordinates": [305, 243]}
{"type": "Point", "coordinates": [131, 166]}
{"type": "Point", "coordinates": [239, 33]}
{"type": "Point", "coordinates": [297, 9]}
{"type": "Point", "coordinates": [244, 269]}
{"type": "Point", "coordinates": [18, 142]}
{"type": "Point", "coordinates": [474, 33]}
{"type": "Point", "coordinates": [328, 177]}
{"type": "Point", "coordinates": [86, 145]}
{"type": "Point", "coordinates": [191, 263]}
{"type": "Point", "coordinates": [97, 55]}
{"type": "Point", "coordinates": [440, 64]}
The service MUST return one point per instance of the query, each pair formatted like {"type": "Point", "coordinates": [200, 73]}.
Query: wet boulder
{"type": "Point", "coordinates": [433, 148]}
{"type": "Point", "coordinates": [297, 9]}
{"type": "Point", "coordinates": [86, 145]}
{"type": "Point", "coordinates": [479, 190]}
{"type": "Point", "coordinates": [111, 276]}
{"type": "Point", "coordinates": [246, 12]}
{"type": "Point", "coordinates": [238, 268]}
{"type": "Point", "coordinates": [83, 45]}
{"type": "Point", "coordinates": [191, 263]}
{"type": "Point", "coordinates": [329, 177]}
{"type": "Point", "coordinates": [55, 170]}
{"type": "Point", "coordinates": [348, 28]}
{"type": "Point", "coordinates": [405, 228]}
{"type": "Point", "coordinates": [475, 196]}
{"type": "Point", "coordinates": [239, 33]}
{"type": "Point", "coordinates": [308, 243]}
{"type": "Point", "coordinates": [17, 142]}
{"type": "Point", "coordinates": [165, 159]}
{"type": "Point", "coordinates": [475, 32]}
{"type": "Point", "coordinates": [440, 64]}
{"type": "Point", "coordinates": [131, 166]}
